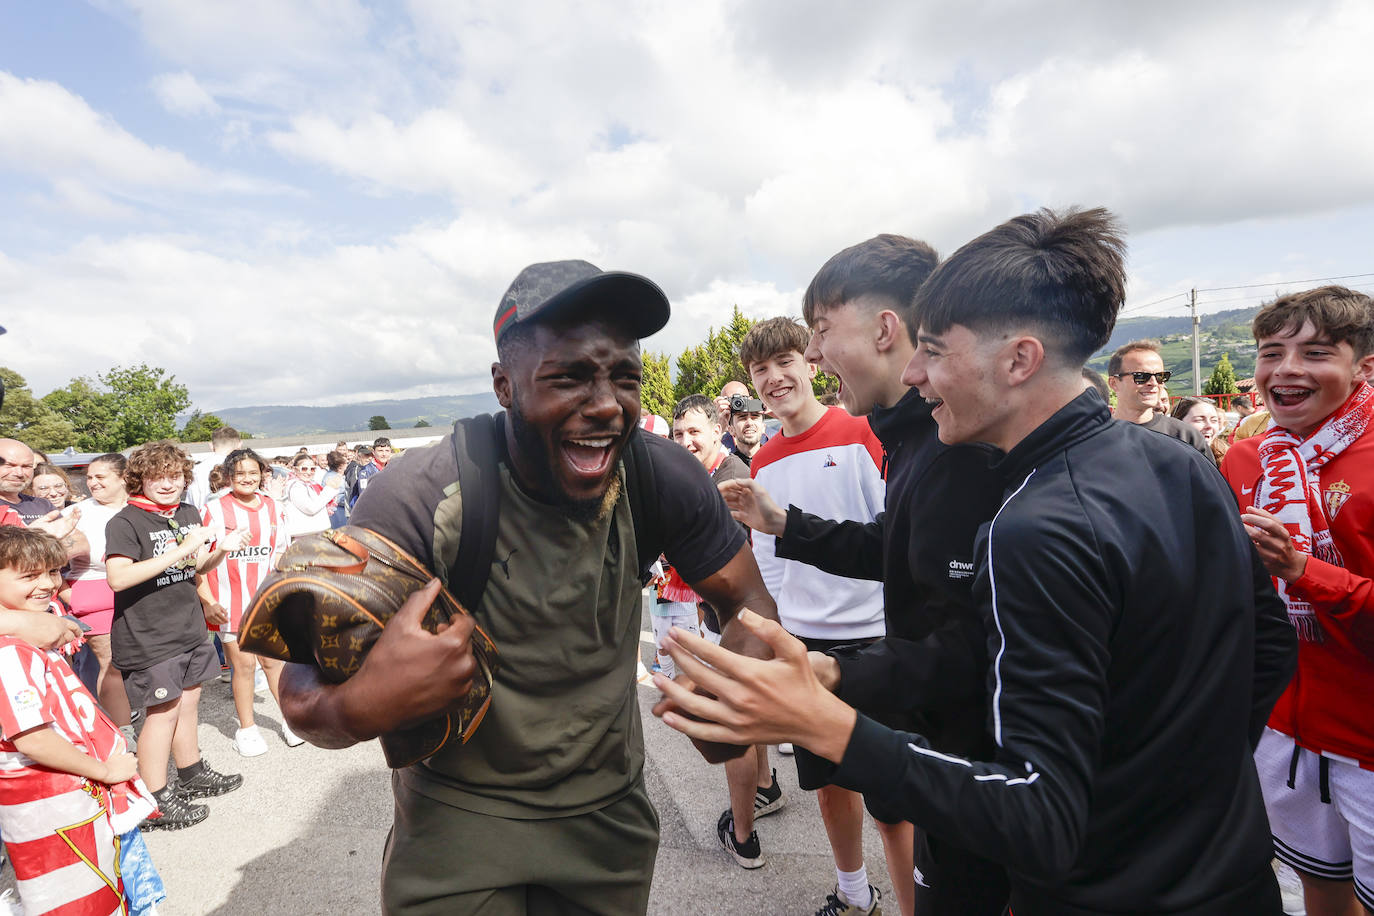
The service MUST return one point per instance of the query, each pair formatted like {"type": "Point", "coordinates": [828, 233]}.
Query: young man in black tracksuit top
{"type": "Point", "coordinates": [927, 674]}
{"type": "Point", "coordinates": [1135, 642]}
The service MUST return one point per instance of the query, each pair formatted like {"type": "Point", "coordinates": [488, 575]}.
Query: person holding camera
{"type": "Point", "coordinates": [745, 421]}
{"type": "Point", "coordinates": [734, 403]}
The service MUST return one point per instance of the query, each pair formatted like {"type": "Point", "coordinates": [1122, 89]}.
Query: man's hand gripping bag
{"type": "Point", "coordinates": [326, 605]}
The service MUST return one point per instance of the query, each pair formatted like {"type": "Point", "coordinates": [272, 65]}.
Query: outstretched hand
{"type": "Point", "coordinates": [57, 524]}
{"type": "Point", "coordinates": [746, 701]}
{"type": "Point", "coordinates": [751, 505]}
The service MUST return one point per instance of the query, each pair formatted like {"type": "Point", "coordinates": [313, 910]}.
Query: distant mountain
{"type": "Point", "coordinates": [293, 420]}
{"type": "Point", "coordinates": [1218, 333]}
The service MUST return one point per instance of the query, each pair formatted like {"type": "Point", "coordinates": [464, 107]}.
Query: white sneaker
{"type": "Point", "coordinates": [785, 748]}
{"type": "Point", "coordinates": [249, 742]}
{"type": "Point", "coordinates": [292, 739]}
{"type": "Point", "coordinates": [260, 682]}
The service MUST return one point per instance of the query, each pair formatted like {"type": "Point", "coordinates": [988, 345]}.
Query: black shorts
{"type": "Point", "coordinates": [165, 681]}
{"type": "Point", "coordinates": [814, 772]}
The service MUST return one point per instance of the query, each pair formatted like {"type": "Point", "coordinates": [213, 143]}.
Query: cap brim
{"type": "Point", "coordinates": [628, 300]}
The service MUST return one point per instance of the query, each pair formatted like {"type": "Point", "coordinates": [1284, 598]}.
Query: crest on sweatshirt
{"type": "Point", "coordinates": [1334, 497]}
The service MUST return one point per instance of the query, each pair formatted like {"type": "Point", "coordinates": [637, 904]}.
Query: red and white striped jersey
{"type": "Point", "coordinates": [60, 828]}
{"type": "Point", "coordinates": [234, 581]}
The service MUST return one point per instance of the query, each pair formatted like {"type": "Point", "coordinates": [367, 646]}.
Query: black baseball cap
{"type": "Point", "coordinates": [555, 288]}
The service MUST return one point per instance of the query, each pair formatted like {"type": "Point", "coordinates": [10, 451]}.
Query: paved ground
{"type": "Point", "coordinates": [304, 835]}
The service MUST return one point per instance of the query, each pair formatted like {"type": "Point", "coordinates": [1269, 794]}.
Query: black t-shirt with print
{"type": "Point", "coordinates": [161, 618]}
{"type": "Point", "coordinates": [30, 508]}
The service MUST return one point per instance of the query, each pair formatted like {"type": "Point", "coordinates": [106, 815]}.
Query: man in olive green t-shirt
{"type": "Point", "coordinates": [543, 811]}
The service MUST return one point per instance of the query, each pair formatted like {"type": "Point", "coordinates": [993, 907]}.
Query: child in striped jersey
{"type": "Point", "coordinates": [70, 796]}
{"type": "Point", "coordinates": [228, 588]}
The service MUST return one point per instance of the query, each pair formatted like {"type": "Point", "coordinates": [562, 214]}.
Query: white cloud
{"type": "Point", "coordinates": [52, 132]}
{"type": "Point", "coordinates": [724, 148]}
{"type": "Point", "coordinates": [182, 94]}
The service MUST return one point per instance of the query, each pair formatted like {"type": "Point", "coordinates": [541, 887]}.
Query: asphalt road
{"type": "Point", "coordinates": [305, 833]}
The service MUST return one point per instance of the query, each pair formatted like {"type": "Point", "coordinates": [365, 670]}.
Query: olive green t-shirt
{"type": "Point", "coordinates": [563, 733]}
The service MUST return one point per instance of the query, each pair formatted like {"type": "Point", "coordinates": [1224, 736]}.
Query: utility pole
{"type": "Point", "coordinates": [1197, 354]}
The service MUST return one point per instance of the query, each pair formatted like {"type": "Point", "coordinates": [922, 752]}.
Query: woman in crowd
{"type": "Point", "coordinates": [1202, 413]}
{"type": "Point", "coordinates": [337, 461]}
{"type": "Point", "coordinates": [307, 502]}
{"type": "Point", "coordinates": [50, 482]}
{"type": "Point", "coordinates": [92, 601]}
{"type": "Point", "coordinates": [227, 589]}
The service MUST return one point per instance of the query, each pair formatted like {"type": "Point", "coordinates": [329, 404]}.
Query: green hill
{"type": "Point", "coordinates": [293, 420]}
{"type": "Point", "coordinates": [1219, 333]}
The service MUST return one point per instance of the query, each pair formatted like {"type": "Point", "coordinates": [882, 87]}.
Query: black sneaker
{"type": "Point", "coordinates": [769, 799]}
{"type": "Point", "coordinates": [747, 854]}
{"type": "Point", "coordinates": [173, 813]}
{"type": "Point", "coordinates": [208, 783]}
{"type": "Point", "coordinates": [836, 905]}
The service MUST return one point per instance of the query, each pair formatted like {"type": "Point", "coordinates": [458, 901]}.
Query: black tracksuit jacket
{"type": "Point", "coordinates": [933, 663]}
{"type": "Point", "coordinates": [1135, 648]}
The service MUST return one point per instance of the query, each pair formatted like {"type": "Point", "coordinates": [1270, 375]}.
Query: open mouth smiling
{"type": "Point", "coordinates": [590, 456]}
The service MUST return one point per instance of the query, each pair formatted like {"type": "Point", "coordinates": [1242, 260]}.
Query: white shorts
{"type": "Point", "coordinates": [662, 623]}
{"type": "Point", "coordinates": [1323, 823]}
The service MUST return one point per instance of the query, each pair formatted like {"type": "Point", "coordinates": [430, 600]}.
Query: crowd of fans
{"type": "Point", "coordinates": [141, 576]}
{"type": "Point", "coordinates": [143, 572]}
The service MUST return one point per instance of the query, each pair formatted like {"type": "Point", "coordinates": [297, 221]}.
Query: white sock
{"type": "Point", "coordinates": [854, 886]}
{"type": "Point", "coordinates": [667, 666]}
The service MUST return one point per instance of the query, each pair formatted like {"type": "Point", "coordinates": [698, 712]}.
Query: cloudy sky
{"type": "Point", "coordinates": [315, 201]}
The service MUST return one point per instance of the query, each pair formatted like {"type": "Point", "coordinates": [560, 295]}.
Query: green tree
{"type": "Point", "coordinates": [127, 406]}
{"type": "Point", "coordinates": [377, 421]}
{"type": "Point", "coordinates": [28, 419]}
{"type": "Point", "coordinates": [199, 427]}
{"type": "Point", "coordinates": [705, 368]}
{"type": "Point", "coordinates": [421, 423]}
{"type": "Point", "coordinates": [1222, 380]}
{"type": "Point", "coordinates": [656, 392]}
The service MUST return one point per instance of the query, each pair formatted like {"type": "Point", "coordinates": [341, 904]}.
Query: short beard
{"type": "Point", "coordinates": [593, 511]}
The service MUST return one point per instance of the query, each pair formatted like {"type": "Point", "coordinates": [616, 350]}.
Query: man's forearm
{"type": "Point", "coordinates": [319, 711]}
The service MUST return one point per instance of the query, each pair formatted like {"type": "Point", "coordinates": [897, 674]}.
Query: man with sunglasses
{"type": "Point", "coordinates": [1136, 373]}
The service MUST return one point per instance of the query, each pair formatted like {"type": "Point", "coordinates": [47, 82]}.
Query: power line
{"type": "Point", "coordinates": [1136, 308]}
{"type": "Point", "coordinates": [1218, 289]}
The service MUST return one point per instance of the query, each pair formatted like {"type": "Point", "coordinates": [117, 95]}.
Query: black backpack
{"type": "Point", "coordinates": [477, 451]}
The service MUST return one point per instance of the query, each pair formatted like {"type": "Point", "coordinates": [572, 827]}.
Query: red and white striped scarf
{"type": "Point", "coordinates": [1290, 489]}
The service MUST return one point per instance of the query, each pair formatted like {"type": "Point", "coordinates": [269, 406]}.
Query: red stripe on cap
{"type": "Point", "coordinates": [502, 319]}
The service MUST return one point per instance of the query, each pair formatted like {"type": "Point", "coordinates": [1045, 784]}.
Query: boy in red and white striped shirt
{"type": "Point", "coordinates": [69, 788]}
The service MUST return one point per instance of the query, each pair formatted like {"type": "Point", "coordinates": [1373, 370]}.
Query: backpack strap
{"type": "Point", "coordinates": [476, 450]}
{"type": "Point", "coordinates": [645, 513]}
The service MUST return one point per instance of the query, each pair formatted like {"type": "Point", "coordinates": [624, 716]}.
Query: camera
{"type": "Point", "coordinates": [740, 404]}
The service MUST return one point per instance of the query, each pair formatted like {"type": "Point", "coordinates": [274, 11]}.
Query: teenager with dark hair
{"type": "Point", "coordinates": [1304, 490]}
{"type": "Point", "coordinates": [1126, 693]}
{"type": "Point", "coordinates": [928, 669]}
{"type": "Point", "coordinates": [828, 462]}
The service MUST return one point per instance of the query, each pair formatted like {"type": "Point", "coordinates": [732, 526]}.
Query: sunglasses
{"type": "Point", "coordinates": [1141, 378]}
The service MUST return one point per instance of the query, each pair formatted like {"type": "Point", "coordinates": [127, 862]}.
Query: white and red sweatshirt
{"type": "Point", "coordinates": [833, 470]}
